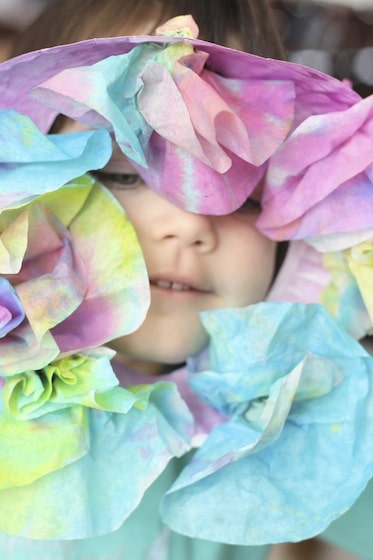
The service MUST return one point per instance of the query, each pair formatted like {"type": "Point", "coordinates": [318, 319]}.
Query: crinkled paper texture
{"type": "Point", "coordinates": [308, 276]}
{"type": "Point", "coordinates": [85, 379]}
{"type": "Point", "coordinates": [203, 123]}
{"type": "Point", "coordinates": [320, 180]}
{"type": "Point", "coordinates": [297, 450]}
{"type": "Point", "coordinates": [88, 452]}
{"type": "Point", "coordinates": [56, 252]}
{"type": "Point", "coordinates": [229, 147]}
{"type": "Point", "coordinates": [205, 418]}
{"type": "Point", "coordinates": [316, 92]}
{"type": "Point", "coordinates": [32, 163]}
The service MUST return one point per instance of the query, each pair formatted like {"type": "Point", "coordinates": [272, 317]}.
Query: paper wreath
{"type": "Point", "coordinates": [239, 121]}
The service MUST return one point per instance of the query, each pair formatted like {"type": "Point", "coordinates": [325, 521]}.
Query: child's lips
{"type": "Point", "coordinates": [168, 285]}
{"type": "Point", "coordinates": [180, 285]}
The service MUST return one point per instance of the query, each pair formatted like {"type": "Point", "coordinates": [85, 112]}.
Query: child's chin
{"type": "Point", "coordinates": [187, 349]}
{"type": "Point", "coordinates": [166, 349]}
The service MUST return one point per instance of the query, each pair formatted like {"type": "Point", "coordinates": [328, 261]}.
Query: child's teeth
{"type": "Point", "coordinates": [163, 284]}
{"type": "Point", "coordinates": [177, 286]}
{"type": "Point", "coordinates": [180, 287]}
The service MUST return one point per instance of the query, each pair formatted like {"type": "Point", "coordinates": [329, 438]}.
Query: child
{"type": "Point", "coordinates": [202, 252]}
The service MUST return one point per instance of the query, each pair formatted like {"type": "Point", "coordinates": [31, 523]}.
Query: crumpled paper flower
{"type": "Point", "coordinates": [11, 310]}
{"type": "Point", "coordinates": [297, 449]}
{"type": "Point", "coordinates": [87, 442]}
{"type": "Point", "coordinates": [249, 106]}
{"type": "Point", "coordinates": [54, 251]}
{"type": "Point", "coordinates": [76, 379]}
{"type": "Point", "coordinates": [204, 123]}
{"type": "Point", "coordinates": [30, 396]}
{"type": "Point", "coordinates": [320, 181]}
{"type": "Point", "coordinates": [32, 163]}
{"type": "Point", "coordinates": [308, 276]}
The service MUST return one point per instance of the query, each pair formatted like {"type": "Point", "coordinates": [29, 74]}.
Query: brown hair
{"type": "Point", "coordinates": [248, 24]}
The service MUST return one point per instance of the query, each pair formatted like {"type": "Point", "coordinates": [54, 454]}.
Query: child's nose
{"type": "Point", "coordinates": [189, 229]}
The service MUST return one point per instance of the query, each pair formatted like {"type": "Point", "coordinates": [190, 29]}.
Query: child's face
{"type": "Point", "coordinates": [194, 262]}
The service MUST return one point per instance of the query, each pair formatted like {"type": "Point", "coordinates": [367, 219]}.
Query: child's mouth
{"type": "Point", "coordinates": [177, 285]}
{"type": "Point", "coordinates": [168, 285]}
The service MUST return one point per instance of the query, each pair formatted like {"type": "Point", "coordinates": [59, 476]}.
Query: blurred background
{"type": "Point", "coordinates": [334, 36]}
{"type": "Point", "coordinates": [15, 15]}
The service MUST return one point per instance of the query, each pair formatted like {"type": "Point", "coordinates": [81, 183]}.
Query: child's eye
{"type": "Point", "coordinates": [119, 181]}
{"type": "Point", "coordinates": [250, 205]}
